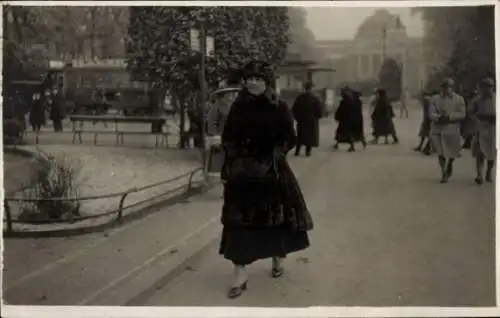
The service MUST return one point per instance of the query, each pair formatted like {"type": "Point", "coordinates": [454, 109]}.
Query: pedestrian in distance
{"type": "Point", "coordinates": [483, 115]}
{"type": "Point", "coordinates": [425, 144]}
{"type": "Point", "coordinates": [467, 128]}
{"type": "Point", "coordinates": [383, 113]}
{"type": "Point", "coordinates": [57, 111]}
{"type": "Point", "coordinates": [264, 214]}
{"type": "Point", "coordinates": [405, 102]}
{"type": "Point", "coordinates": [307, 111]}
{"type": "Point", "coordinates": [446, 113]}
{"type": "Point", "coordinates": [37, 114]}
{"type": "Point", "coordinates": [218, 111]}
{"type": "Point", "coordinates": [349, 116]}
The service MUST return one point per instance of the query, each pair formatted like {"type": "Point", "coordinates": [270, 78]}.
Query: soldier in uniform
{"type": "Point", "coordinates": [447, 110]}
{"type": "Point", "coordinates": [483, 115]}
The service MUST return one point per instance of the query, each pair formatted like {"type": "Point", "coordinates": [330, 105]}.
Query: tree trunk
{"type": "Point", "coordinates": [181, 106]}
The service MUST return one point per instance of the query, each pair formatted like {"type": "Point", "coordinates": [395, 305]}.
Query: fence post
{"type": "Point", "coordinates": [8, 216]}
{"type": "Point", "coordinates": [122, 201]}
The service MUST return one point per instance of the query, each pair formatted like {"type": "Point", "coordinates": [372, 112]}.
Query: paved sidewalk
{"type": "Point", "coordinates": [387, 234]}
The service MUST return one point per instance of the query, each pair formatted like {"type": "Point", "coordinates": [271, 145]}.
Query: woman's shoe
{"type": "Point", "coordinates": [277, 272]}
{"type": "Point", "coordinates": [478, 180]}
{"type": "Point", "coordinates": [236, 291]}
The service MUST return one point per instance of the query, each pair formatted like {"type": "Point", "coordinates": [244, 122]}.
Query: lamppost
{"type": "Point", "coordinates": [203, 44]}
{"type": "Point", "coordinates": [384, 40]}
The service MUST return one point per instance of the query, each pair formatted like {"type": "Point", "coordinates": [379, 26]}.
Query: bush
{"type": "Point", "coordinates": [12, 131]}
{"type": "Point", "coordinates": [59, 182]}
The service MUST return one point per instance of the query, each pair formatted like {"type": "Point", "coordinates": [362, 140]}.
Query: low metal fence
{"type": "Point", "coordinates": [121, 204]}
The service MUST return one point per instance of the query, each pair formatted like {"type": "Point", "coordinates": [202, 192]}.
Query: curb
{"type": "Point", "coordinates": [129, 217]}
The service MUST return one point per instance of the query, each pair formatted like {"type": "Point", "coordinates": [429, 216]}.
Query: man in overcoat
{"type": "Point", "coordinates": [483, 117]}
{"type": "Point", "coordinates": [307, 110]}
{"type": "Point", "coordinates": [57, 111]}
{"type": "Point", "coordinates": [447, 111]}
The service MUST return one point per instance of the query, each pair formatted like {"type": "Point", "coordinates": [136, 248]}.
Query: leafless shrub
{"type": "Point", "coordinates": [61, 181]}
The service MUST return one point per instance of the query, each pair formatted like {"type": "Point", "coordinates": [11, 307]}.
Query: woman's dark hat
{"type": "Point", "coordinates": [258, 69]}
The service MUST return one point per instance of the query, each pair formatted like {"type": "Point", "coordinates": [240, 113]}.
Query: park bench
{"type": "Point", "coordinates": [78, 130]}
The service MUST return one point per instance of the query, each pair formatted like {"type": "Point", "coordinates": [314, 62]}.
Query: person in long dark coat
{"type": "Point", "coordinates": [37, 113]}
{"type": "Point", "coordinates": [307, 110]}
{"type": "Point", "coordinates": [349, 116]}
{"type": "Point", "coordinates": [359, 130]}
{"type": "Point", "coordinates": [267, 217]}
{"type": "Point", "coordinates": [57, 111]}
{"type": "Point", "coordinates": [383, 113]}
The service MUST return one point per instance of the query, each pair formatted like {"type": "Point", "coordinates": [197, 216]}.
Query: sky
{"type": "Point", "coordinates": [342, 23]}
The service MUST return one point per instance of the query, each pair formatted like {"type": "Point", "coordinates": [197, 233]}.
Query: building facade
{"type": "Point", "coordinates": [380, 35]}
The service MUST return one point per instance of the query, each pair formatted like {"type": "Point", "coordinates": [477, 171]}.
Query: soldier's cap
{"type": "Point", "coordinates": [447, 82]}
{"type": "Point", "coordinates": [487, 82]}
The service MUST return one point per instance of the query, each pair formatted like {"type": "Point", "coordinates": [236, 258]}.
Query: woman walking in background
{"type": "Point", "coordinates": [382, 116]}
{"type": "Point", "coordinates": [483, 115]}
{"type": "Point", "coordinates": [264, 213]}
{"type": "Point", "coordinates": [349, 116]}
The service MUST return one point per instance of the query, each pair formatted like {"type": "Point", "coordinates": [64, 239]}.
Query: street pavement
{"type": "Point", "coordinates": [386, 234]}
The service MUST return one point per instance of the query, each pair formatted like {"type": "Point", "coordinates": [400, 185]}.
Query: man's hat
{"type": "Point", "coordinates": [487, 82]}
{"type": "Point", "coordinates": [447, 82]}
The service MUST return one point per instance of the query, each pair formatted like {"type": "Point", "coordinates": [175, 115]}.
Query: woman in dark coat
{"type": "Point", "coordinates": [382, 116]}
{"type": "Point", "coordinates": [307, 110]}
{"type": "Point", "coordinates": [264, 213]}
{"type": "Point", "coordinates": [349, 116]}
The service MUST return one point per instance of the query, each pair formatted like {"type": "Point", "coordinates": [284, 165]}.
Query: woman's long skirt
{"type": "Point", "coordinates": [244, 242]}
{"type": "Point", "coordinates": [245, 245]}
{"type": "Point", "coordinates": [383, 127]}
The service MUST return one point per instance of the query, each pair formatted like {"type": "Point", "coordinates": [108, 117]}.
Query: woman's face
{"type": "Point", "coordinates": [255, 85]}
